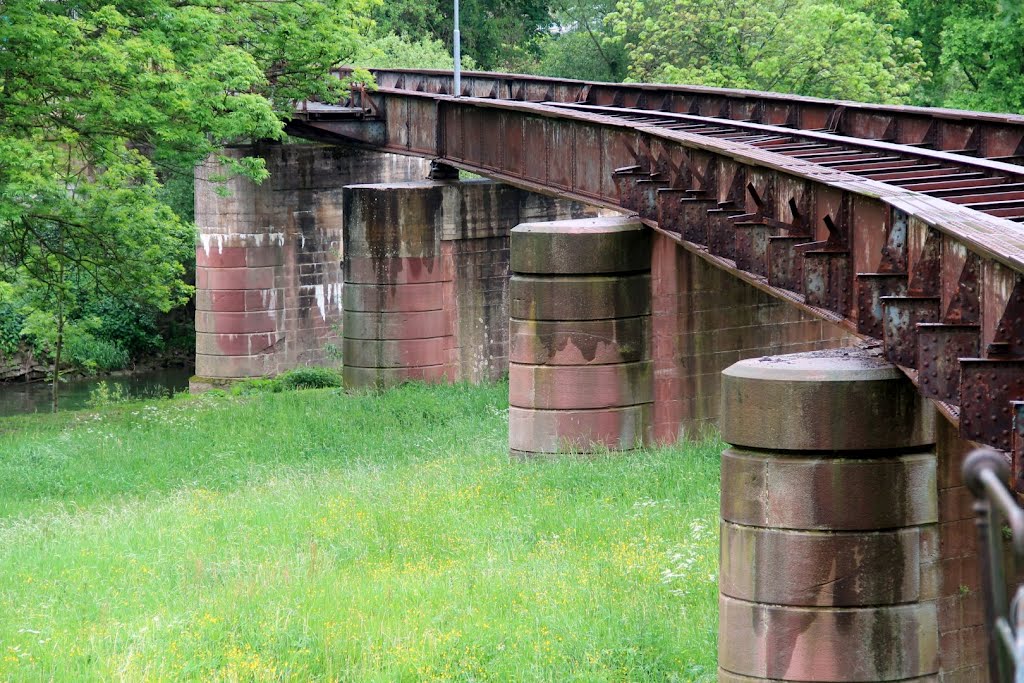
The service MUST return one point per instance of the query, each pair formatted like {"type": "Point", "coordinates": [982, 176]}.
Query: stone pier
{"type": "Point", "coordinates": [426, 278]}
{"type": "Point", "coordinates": [830, 559]}
{"type": "Point", "coordinates": [580, 375]}
{"type": "Point", "coordinates": [268, 259]}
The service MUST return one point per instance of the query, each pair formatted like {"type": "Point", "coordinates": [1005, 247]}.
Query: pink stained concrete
{"type": "Point", "coordinates": [553, 431]}
{"type": "Point", "coordinates": [396, 353]}
{"type": "Point", "coordinates": [235, 278]}
{"type": "Point", "coordinates": [394, 298]}
{"type": "Point", "coordinates": [592, 342]}
{"type": "Point", "coordinates": [580, 387]}
{"type": "Point", "coordinates": [703, 320]}
{"type": "Point", "coordinates": [223, 257]}
{"type": "Point", "coordinates": [234, 322]}
{"type": "Point", "coordinates": [398, 270]}
{"type": "Point", "coordinates": [397, 325]}
{"type": "Point", "coordinates": [828, 644]}
{"type": "Point", "coordinates": [213, 344]}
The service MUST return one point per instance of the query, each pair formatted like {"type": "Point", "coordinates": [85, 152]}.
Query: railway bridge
{"type": "Point", "coordinates": [838, 285]}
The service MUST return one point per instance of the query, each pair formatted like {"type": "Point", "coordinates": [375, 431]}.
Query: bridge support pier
{"type": "Point", "coordinates": [268, 275]}
{"type": "Point", "coordinates": [580, 371]}
{"type": "Point", "coordinates": [830, 562]}
{"type": "Point", "coordinates": [426, 278]}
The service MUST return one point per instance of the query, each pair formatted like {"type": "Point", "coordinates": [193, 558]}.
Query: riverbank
{"type": "Point", "coordinates": [314, 535]}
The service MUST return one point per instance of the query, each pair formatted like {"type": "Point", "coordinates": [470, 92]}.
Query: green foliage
{"type": "Point", "coordinates": [299, 378]}
{"type": "Point", "coordinates": [580, 43]}
{"type": "Point", "coordinates": [99, 101]}
{"type": "Point", "coordinates": [582, 55]}
{"type": "Point", "coordinates": [982, 57]}
{"type": "Point", "coordinates": [852, 51]}
{"type": "Point", "coordinates": [258, 385]}
{"type": "Point", "coordinates": [94, 354]}
{"type": "Point", "coordinates": [310, 378]}
{"type": "Point", "coordinates": [11, 323]}
{"type": "Point", "coordinates": [106, 394]}
{"type": "Point", "coordinates": [496, 34]}
{"type": "Point", "coordinates": [372, 537]}
{"type": "Point", "coordinates": [394, 52]}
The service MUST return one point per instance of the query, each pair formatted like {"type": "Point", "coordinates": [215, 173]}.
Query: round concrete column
{"type": "Point", "coordinates": [829, 539]}
{"type": "Point", "coordinates": [395, 326]}
{"type": "Point", "coordinates": [580, 374]}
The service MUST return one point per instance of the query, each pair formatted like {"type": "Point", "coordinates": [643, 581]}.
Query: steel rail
{"type": "Point", "coordinates": [839, 226]}
{"type": "Point", "coordinates": [986, 134]}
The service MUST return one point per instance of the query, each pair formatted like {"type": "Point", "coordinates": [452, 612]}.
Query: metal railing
{"type": "Point", "coordinates": [986, 473]}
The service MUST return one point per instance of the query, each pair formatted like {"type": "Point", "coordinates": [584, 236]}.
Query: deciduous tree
{"type": "Point", "coordinates": [99, 99]}
{"type": "Point", "coordinates": [846, 49]}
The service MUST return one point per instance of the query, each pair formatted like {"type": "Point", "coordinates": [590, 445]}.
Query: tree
{"type": "Point", "coordinates": [99, 100]}
{"type": "Point", "coordinates": [580, 44]}
{"type": "Point", "coordinates": [982, 57]}
{"type": "Point", "coordinates": [496, 34]}
{"type": "Point", "coordinates": [852, 51]}
{"type": "Point", "coordinates": [394, 52]}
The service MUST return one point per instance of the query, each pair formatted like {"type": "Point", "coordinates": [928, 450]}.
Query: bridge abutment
{"type": "Point", "coordinates": [268, 275]}
{"type": "Point", "coordinates": [830, 559]}
{"type": "Point", "coordinates": [580, 371]}
{"type": "Point", "coordinates": [426, 268]}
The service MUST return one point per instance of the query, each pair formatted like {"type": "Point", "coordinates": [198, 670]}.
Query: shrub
{"type": "Point", "coordinates": [93, 354]}
{"type": "Point", "coordinates": [256, 386]}
{"type": "Point", "coordinates": [310, 378]}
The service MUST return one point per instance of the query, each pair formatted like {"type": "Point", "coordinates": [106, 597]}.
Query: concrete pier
{"type": "Point", "coordinates": [830, 538]}
{"type": "Point", "coordinates": [580, 372]}
{"type": "Point", "coordinates": [268, 258]}
{"type": "Point", "coordinates": [426, 294]}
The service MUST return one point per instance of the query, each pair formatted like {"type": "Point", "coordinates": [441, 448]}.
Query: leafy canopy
{"type": "Point", "coordinates": [100, 100]}
{"type": "Point", "coordinates": [847, 49]}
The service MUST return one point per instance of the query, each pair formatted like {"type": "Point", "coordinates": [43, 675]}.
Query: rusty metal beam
{"type": "Point", "coordinates": [924, 277]}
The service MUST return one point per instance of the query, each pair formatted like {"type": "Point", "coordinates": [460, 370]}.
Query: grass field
{"type": "Point", "coordinates": [314, 535]}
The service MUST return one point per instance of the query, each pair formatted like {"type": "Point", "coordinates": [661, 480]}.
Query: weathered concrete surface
{"type": "Point", "coordinates": [426, 293]}
{"type": "Point", "coordinates": [704, 320]}
{"type": "Point", "coordinates": [962, 637]}
{"type": "Point", "coordinates": [268, 258]}
{"type": "Point", "coordinates": [581, 377]}
{"type": "Point", "coordinates": [830, 537]}
{"type": "Point", "coordinates": [783, 401]}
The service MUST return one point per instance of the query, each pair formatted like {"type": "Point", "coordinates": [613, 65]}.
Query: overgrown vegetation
{"type": "Point", "coordinates": [322, 536]}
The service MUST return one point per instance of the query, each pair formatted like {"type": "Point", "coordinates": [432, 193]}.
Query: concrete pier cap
{"type": "Point", "coordinates": [832, 400]}
{"type": "Point", "coordinates": [829, 565]}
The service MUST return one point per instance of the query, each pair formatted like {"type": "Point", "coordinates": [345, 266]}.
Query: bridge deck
{"type": "Point", "coordinates": [903, 224]}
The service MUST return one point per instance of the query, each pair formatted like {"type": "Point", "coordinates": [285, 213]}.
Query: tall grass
{"type": "Point", "coordinates": [322, 536]}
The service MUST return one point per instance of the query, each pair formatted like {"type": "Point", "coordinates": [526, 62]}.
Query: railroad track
{"type": "Point", "coordinates": [901, 223]}
{"type": "Point", "coordinates": [992, 187]}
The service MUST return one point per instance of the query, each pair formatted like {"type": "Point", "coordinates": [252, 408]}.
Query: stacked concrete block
{"type": "Point", "coordinates": [396, 327]}
{"type": "Point", "coordinates": [268, 257]}
{"type": "Point", "coordinates": [830, 565]}
{"type": "Point", "coordinates": [580, 371]}
{"type": "Point", "coordinates": [426, 278]}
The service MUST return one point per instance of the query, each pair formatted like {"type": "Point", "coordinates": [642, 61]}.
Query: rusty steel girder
{"type": "Point", "coordinates": [989, 135]}
{"type": "Point", "coordinates": [919, 249]}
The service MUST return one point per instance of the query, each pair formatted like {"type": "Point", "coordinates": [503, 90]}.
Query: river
{"type": "Point", "coordinates": [18, 398]}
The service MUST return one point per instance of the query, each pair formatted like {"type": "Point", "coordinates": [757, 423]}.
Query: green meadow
{"type": "Point", "coordinates": [323, 536]}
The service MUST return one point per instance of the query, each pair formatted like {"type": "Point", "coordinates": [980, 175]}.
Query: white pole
{"type": "Point", "coordinates": [458, 53]}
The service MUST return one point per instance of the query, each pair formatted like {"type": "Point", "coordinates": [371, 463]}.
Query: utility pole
{"type": "Point", "coordinates": [458, 53]}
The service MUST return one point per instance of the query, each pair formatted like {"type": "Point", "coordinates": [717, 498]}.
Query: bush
{"type": "Point", "coordinates": [93, 354]}
{"type": "Point", "coordinates": [256, 386]}
{"type": "Point", "coordinates": [310, 378]}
